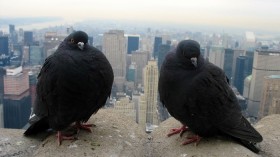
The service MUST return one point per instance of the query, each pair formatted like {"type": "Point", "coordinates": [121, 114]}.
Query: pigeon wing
{"type": "Point", "coordinates": [219, 104]}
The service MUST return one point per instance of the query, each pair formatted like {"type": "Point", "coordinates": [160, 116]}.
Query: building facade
{"type": "Point", "coordinates": [132, 43]}
{"type": "Point", "coordinates": [151, 94]}
{"type": "Point", "coordinates": [4, 45]}
{"type": "Point", "coordinates": [266, 63]}
{"type": "Point", "coordinates": [115, 48]}
{"type": "Point", "coordinates": [270, 100]}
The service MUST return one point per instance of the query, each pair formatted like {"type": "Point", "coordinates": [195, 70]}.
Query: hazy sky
{"type": "Point", "coordinates": [261, 14]}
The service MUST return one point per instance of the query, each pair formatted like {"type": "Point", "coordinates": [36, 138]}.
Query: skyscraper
{"type": "Point", "coordinates": [162, 52]}
{"type": "Point", "coordinates": [266, 63]}
{"type": "Point", "coordinates": [131, 74]}
{"type": "Point", "coordinates": [250, 56]}
{"type": "Point", "coordinates": [216, 56]}
{"type": "Point", "coordinates": [115, 48]}
{"type": "Point", "coordinates": [140, 58]}
{"type": "Point", "coordinates": [240, 73]}
{"type": "Point", "coordinates": [13, 34]}
{"type": "Point", "coordinates": [146, 44]}
{"type": "Point", "coordinates": [132, 43]}
{"type": "Point", "coordinates": [28, 38]}
{"type": "Point", "coordinates": [17, 110]}
{"type": "Point", "coordinates": [51, 41]}
{"type": "Point", "coordinates": [36, 56]}
{"type": "Point", "coordinates": [228, 63]}
{"type": "Point", "coordinates": [16, 103]}
{"type": "Point", "coordinates": [151, 94]}
{"type": "Point", "coordinates": [4, 45]}
{"type": "Point", "coordinates": [270, 100]}
{"type": "Point", "coordinates": [12, 28]}
{"type": "Point", "coordinates": [157, 42]}
{"type": "Point", "coordinates": [236, 53]}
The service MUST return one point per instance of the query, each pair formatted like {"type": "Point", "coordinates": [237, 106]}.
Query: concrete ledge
{"type": "Point", "coordinates": [162, 145]}
{"type": "Point", "coordinates": [13, 143]}
{"type": "Point", "coordinates": [172, 146]}
{"type": "Point", "coordinates": [269, 127]}
{"type": "Point", "coordinates": [113, 135]}
{"type": "Point", "coordinates": [117, 135]}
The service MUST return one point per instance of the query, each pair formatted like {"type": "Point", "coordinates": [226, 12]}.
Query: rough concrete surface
{"type": "Point", "coordinates": [12, 143]}
{"type": "Point", "coordinates": [116, 135]}
{"type": "Point", "coordinates": [162, 145]}
{"type": "Point", "coordinates": [269, 127]}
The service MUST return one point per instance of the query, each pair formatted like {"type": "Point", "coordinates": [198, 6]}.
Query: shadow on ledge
{"type": "Point", "coordinates": [116, 135]}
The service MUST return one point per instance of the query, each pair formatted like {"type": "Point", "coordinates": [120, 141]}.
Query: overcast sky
{"type": "Point", "coordinates": [262, 14]}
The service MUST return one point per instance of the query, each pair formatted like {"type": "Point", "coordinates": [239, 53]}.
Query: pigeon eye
{"type": "Point", "coordinates": [72, 40]}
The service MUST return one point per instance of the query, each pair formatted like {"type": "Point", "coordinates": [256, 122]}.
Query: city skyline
{"type": "Point", "coordinates": [30, 48]}
{"type": "Point", "coordinates": [248, 14]}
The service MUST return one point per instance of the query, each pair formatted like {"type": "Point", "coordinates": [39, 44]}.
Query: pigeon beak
{"type": "Point", "coordinates": [194, 61]}
{"type": "Point", "coordinates": [81, 45]}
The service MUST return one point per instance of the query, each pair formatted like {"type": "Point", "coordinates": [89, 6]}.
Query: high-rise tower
{"type": "Point", "coordinates": [132, 43]}
{"type": "Point", "coordinates": [115, 48]}
{"type": "Point", "coordinates": [151, 93]}
{"type": "Point", "coordinates": [266, 63]}
{"type": "Point", "coordinates": [270, 100]}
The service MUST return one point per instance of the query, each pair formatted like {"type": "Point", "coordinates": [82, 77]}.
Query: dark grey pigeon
{"type": "Point", "coordinates": [197, 93]}
{"type": "Point", "coordinates": [73, 84]}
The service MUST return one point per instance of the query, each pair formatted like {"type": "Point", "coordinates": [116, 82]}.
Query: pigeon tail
{"type": "Point", "coordinates": [244, 131]}
{"type": "Point", "coordinates": [37, 127]}
{"type": "Point", "coordinates": [249, 145]}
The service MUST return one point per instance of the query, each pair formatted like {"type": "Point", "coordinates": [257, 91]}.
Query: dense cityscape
{"type": "Point", "coordinates": [250, 61]}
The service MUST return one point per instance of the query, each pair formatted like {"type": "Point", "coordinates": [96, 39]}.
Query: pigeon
{"type": "Point", "coordinates": [197, 93]}
{"type": "Point", "coordinates": [73, 84]}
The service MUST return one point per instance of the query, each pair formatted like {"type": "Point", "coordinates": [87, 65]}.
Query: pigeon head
{"type": "Point", "coordinates": [190, 50]}
{"type": "Point", "coordinates": [78, 38]}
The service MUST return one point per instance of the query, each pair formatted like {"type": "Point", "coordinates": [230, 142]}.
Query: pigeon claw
{"type": "Point", "coordinates": [61, 137]}
{"type": "Point", "coordinates": [192, 139]}
{"type": "Point", "coordinates": [86, 127]}
{"type": "Point", "coordinates": [180, 130]}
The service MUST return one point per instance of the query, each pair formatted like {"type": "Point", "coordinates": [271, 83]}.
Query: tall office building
{"type": "Point", "coordinates": [16, 101]}
{"type": "Point", "coordinates": [17, 110]}
{"type": "Point", "coordinates": [11, 28]}
{"type": "Point", "coordinates": [217, 55]}
{"type": "Point", "coordinates": [13, 34]}
{"type": "Point", "coordinates": [4, 45]}
{"type": "Point", "coordinates": [236, 53]}
{"type": "Point", "coordinates": [228, 63]}
{"type": "Point", "coordinates": [36, 55]}
{"type": "Point", "coordinates": [146, 44]}
{"type": "Point", "coordinates": [162, 52]}
{"type": "Point", "coordinates": [115, 48]}
{"type": "Point", "coordinates": [140, 58]}
{"type": "Point", "coordinates": [51, 41]}
{"type": "Point", "coordinates": [240, 73]}
{"type": "Point", "coordinates": [266, 63]}
{"type": "Point", "coordinates": [250, 56]}
{"type": "Point", "coordinates": [131, 74]}
{"type": "Point", "coordinates": [132, 43]}
{"type": "Point", "coordinates": [27, 38]}
{"type": "Point", "coordinates": [157, 43]}
{"type": "Point", "coordinates": [126, 107]}
{"type": "Point", "coordinates": [270, 100]}
{"type": "Point", "coordinates": [151, 94]}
